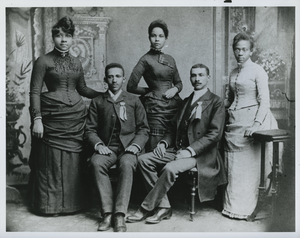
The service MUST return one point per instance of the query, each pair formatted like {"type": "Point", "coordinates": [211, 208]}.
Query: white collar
{"type": "Point", "coordinates": [115, 96]}
{"type": "Point", "coordinates": [198, 94]}
{"type": "Point", "coordinates": [61, 51]}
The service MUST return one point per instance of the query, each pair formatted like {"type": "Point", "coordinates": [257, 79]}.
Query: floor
{"type": "Point", "coordinates": [208, 219]}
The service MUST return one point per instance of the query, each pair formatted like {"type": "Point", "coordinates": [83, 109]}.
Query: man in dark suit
{"type": "Point", "coordinates": [117, 130]}
{"type": "Point", "coordinates": [191, 141]}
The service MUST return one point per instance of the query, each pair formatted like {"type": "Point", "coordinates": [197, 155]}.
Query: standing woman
{"type": "Point", "coordinates": [58, 120]}
{"type": "Point", "coordinates": [249, 111]}
{"type": "Point", "coordinates": [160, 98]}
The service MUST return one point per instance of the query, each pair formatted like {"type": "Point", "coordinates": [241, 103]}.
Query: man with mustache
{"type": "Point", "coordinates": [191, 141]}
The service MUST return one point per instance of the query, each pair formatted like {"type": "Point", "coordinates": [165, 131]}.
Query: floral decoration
{"type": "Point", "coordinates": [273, 64]}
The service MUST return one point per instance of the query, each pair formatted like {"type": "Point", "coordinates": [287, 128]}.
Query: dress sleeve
{"type": "Point", "coordinates": [84, 90]}
{"type": "Point", "coordinates": [263, 97]}
{"type": "Point", "coordinates": [36, 85]}
{"type": "Point", "coordinates": [229, 97]}
{"type": "Point", "coordinates": [135, 78]}
{"type": "Point", "coordinates": [177, 80]}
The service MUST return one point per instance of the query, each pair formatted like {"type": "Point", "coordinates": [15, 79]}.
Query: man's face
{"type": "Point", "coordinates": [199, 78]}
{"type": "Point", "coordinates": [115, 79]}
{"type": "Point", "coordinates": [242, 51]}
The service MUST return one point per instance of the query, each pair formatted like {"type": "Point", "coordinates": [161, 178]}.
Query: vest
{"type": "Point", "coordinates": [183, 127]}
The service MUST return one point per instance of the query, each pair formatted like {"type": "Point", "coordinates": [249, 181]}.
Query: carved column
{"type": "Point", "coordinates": [90, 46]}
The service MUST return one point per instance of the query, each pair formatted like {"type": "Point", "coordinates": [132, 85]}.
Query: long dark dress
{"type": "Point", "coordinates": [56, 182]}
{"type": "Point", "coordinates": [160, 73]}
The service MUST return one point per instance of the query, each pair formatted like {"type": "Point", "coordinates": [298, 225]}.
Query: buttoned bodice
{"type": "Point", "coordinates": [159, 71]}
{"type": "Point", "coordinates": [63, 77]}
{"type": "Point", "coordinates": [248, 87]}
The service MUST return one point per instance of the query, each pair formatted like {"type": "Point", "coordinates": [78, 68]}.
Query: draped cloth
{"type": "Point", "coordinates": [56, 182]}
{"type": "Point", "coordinates": [243, 162]}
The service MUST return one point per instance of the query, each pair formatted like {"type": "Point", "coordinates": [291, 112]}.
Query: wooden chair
{"type": "Point", "coordinates": [192, 179]}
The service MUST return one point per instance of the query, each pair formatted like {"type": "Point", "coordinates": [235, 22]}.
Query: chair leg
{"type": "Point", "coordinates": [193, 193]}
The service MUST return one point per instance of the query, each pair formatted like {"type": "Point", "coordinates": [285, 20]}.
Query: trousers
{"type": "Point", "coordinates": [126, 165]}
{"type": "Point", "coordinates": [159, 175]}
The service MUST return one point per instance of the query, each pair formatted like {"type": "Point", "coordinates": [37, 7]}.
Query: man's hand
{"type": "Point", "coordinates": [103, 150]}
{"type": "Point", "coordinates": [160, 150]}
{"type": "Point", "coordinates": [182, 154]}
{"type": "Point", "coordinates": [132, 149]}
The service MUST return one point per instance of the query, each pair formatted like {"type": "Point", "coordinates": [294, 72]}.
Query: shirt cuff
{"type": "Point", "coordinates": [36, 118]}
{"type": "Point", "coordinates": [137, 146]}
{"type": "Point", "coordinates": [163, 141]}
{"type": "Point", "coordinates": [99, 143]}
{"type": "Point", "coordinates": [190, 149]}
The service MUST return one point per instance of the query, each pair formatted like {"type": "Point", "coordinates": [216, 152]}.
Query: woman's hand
{"type": "Point", "coordinates": [252, 129]}
{"type": "Point", "coordinates": [38, 128]}
{"type": "Point", "coordinates": [170, 93]}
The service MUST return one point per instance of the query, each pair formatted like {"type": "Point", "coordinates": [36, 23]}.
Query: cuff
{"type": "Point", "coordinates": [137, 146]}
{"type": "Point", "coordinates": [163, 141]}
{"type": "Point", "coordinates": [36, 118]}
{"type": "Point", "coordinates": [99, 143]}
{"type": "Point", "coordinates": [191, 150]}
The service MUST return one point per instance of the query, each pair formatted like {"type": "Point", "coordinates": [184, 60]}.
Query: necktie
{"type": "Point", "coordinates": [123, 115]}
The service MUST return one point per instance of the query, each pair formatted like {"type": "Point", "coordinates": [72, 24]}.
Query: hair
{"type": "Point", "coordinates": [114, 65]}
{"type": "Point", "coordinates": [66, 25]}
{"type": "Point", "coordinates": [161, 24]}
{"type": "Point", "coordinates": [242, 36]}
{"type": "Point", "coordinates": [202, 66]}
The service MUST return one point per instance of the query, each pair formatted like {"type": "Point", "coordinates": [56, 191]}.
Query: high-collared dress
{"type": "Point", "coordinates": [249, 102]}
{"type": "Point", "coordinates": [56, 183]}
{"type": "Point", "coordinates": [160, 72]}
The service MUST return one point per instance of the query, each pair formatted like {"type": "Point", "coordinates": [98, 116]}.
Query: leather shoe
{"type": "Point", "coordinates": [119, 223]}
{"type": "Point", "coordinates": [160, 214]}
{"type": "Point", "coordinates": [105, 224]}
{"type": "Point", "coordinates": [139, 215]}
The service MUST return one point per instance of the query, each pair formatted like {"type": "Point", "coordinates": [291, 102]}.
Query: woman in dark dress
{"type": "Point", "coordinates": [58, 120]}
{"type": "Point", "coordinates": [160, 98]}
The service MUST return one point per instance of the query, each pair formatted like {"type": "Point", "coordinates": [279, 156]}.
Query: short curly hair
{"type": "Point", "coordinates": [66, 24]}
{"type": "Point", "coordinates": [242, 36]}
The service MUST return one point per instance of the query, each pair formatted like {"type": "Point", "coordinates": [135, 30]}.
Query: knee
{"type": "Point", "coordinates": [97, 163]}
{"type": "Point", "coordinates": [144, 161]}
{"type": "Point", "coordinates": [128, 161]}
{"type": "Point", "coordinates": [170, 171]}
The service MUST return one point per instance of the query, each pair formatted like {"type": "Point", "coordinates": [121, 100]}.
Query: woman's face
{"type": "Point", "coordinates": [242, 51]}
{"type": "Point", "coordinates": [62, 40]}
{"type": "Point", "coordinates": [157, 38]}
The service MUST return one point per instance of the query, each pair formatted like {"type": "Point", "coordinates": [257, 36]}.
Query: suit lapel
{"type": "Point", "coordinates": [116, 104]}
{"type": "Point", "coordinates": [206, 100]}
{"type": "Point", "coordinates": [188, 102]}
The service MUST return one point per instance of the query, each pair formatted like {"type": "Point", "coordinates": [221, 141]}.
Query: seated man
{"type": "Point", "coordinates": [117, 129]}
{"type": "Point", "coordinates": [191, 141]}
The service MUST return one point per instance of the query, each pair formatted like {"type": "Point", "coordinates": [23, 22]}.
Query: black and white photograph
{"type": "Point", "coordinates": [164, 118]}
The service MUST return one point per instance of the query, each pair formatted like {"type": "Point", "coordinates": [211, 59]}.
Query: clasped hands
{"type": "Point", "coordinates": [104, 150]}
{"type": "Point", "coordinates": [160, 151]}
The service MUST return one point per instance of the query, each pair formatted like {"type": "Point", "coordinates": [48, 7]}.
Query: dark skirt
{"type": "Point", "coordinates": [56, 183]}
{"type": "Point", "coordinates": [159, 113]}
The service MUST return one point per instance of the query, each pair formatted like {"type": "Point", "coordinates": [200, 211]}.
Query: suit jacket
{"type": "Point", "coordinates": [103, 114]}
{"type": "Point", "coordinates": [203, 135]}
